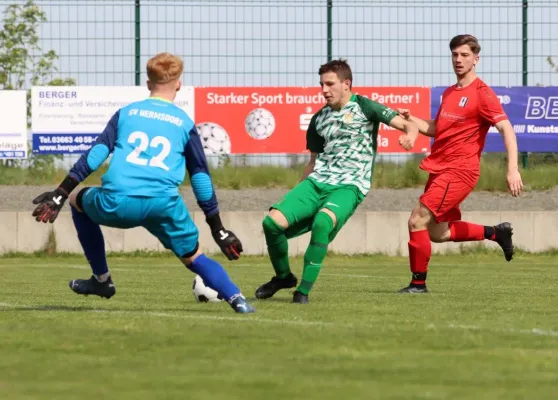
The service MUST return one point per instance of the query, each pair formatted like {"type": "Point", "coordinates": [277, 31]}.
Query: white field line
{"type": "Point", "coordinates": [252, 319]}
{"type": "Point", "coordinates": [234, 267]}
{"type": "Point", "coordinates": [140, 266]}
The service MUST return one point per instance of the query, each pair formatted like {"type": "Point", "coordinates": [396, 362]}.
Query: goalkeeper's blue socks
{"type": "Point", "coordinates": [214, 276]}
{"type": "Point", "coordinates": [92, 241]}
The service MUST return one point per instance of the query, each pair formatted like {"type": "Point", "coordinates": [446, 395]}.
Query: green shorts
{"type": "Point", "coordinates": [303, 202]}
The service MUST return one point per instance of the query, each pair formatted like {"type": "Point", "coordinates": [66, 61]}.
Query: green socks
{"type": "Point", "coordinates": [316, 252]}
{"type": "Point", "coordinates": [277, 247]}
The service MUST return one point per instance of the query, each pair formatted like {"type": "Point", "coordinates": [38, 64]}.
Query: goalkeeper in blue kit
{"type": "Point", "coordinates": [153, 142]}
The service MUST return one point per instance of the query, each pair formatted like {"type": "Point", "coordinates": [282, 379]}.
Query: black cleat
{"type": "Point", "coordinates": [300, 298]}
{"type": "Point", "coordinates": [93, 286]}
{"type": "Point", "coordinates": [268, 289]}
{"type": "Point", "coordinates": [414, 289]}
{"type": "Point", "coordinates": [504, 232]}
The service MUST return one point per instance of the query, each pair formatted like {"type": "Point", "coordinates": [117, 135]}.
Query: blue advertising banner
{"type": "Point", "coordinates": [533, 112]}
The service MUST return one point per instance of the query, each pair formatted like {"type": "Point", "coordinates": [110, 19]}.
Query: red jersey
{"type": "Point", "coordinates": [463, 120]}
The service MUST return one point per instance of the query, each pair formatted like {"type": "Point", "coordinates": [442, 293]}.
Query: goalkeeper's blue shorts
{"type": "Point", "coordinates": [167, 218]}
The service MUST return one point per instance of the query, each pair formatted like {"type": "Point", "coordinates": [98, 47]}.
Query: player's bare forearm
{"type": "Point", "coordinates": [406, 141]}
{"type": "Point", "coordinates": [307, 171]}
{"type": "Point", "coordinates": [405, 125]}
{"type": "Point", "coordinates": [309, 167]}
{"type": "Point", "coordinates": [411, 129]}
{"type": "Point", "coordinates": [513, 176]}
{"type": "Point", "coordinates": [426, 127]}
{"type": "Point", "coordinates": [510, 142]}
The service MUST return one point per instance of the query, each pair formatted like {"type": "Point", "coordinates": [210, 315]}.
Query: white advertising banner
{"type": "Point", "coordinates": [68, 119]}
{"type": "Point", "coordinates": [13, 129]}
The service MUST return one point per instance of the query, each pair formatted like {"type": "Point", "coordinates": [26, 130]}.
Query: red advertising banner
{"type": "Point", "coordinates": [248, 120]}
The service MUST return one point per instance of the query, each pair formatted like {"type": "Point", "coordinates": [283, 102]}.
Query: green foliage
{"type": "Point", "coordinates": [22, 60]}
{"type": "Point", "coordinates": [23, 64]}
{"type": "Point", "coordinates": [252, 177]}
{"type": "Point", "coordinates": [397, 176]}
{"type": "Point", "coordinates": [553, 65]}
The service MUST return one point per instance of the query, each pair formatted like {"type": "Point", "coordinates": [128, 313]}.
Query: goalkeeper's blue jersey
{"type": "Point", "coordinates": [148, 157]}
{"type": "Point", "coordinates": [153, 142]}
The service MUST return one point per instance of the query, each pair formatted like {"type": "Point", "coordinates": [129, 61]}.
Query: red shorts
{"type": "Point", "coordinates": [443, 194]}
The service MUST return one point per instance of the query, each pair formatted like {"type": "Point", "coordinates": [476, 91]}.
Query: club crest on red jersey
{"type": "Point", "coordinates": [463, 101]}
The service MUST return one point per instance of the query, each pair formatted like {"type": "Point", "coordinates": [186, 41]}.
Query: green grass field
{"type": "Point", "coordinates": [488, 330]}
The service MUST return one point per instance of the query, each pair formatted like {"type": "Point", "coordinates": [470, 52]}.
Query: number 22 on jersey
{"type": "Point", "coordinates": [158, 141]}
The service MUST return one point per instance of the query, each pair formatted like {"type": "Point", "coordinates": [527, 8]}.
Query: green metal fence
{"type": "Point", "coordinates": [283, 42]}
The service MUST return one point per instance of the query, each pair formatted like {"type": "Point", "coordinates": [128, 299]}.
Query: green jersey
{"type": "Point", "coordinates": [346, 142]}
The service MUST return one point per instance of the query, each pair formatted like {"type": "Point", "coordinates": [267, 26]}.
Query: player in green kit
{"type": "Point", "coordinates": [342, 139]}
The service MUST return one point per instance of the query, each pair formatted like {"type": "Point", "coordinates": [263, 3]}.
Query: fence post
{"type": "Point", "coordinates": [329, 30]}
{"type": "Point", "coordinates": [137, 42]}
{"type": "Point", "coordinates": [525, 65]}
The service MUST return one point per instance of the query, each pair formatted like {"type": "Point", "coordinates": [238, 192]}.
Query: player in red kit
{"type": "Point", "coordinates": [468, 109]}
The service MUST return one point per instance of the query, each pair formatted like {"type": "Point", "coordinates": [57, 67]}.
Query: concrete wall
{"type": "Point", "coordinates": [366, 232]}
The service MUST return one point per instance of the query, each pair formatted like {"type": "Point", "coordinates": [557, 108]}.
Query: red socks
{"type": "Point", "coordinates": [461, 231]}
{"type": "Point", "coordinates": [420, 250]}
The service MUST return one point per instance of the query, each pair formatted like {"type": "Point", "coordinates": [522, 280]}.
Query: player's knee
{"type": "Point", "coordinates": [73, 202]}
{"type": "Point", "coordinates": [420, 218]}
{"type": "Point", "coordinates": [279, 218]}
{"type": "Point", "coordinates": [189, 257]}
{"type": "Point", "coordinates": [76, 199]}
{"type": "Point", "coordinates": [323, 222]}
{"type": "Point", "coordinates": [330, 214]}
{"type": "Point", "coordinates": [416, 222]}
{"type": "Point", "coordinates": [270, 224]}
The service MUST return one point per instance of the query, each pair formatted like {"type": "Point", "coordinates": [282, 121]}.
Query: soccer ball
{"type": "Point", "coordinates": [204, 294]}
{"type": "Point", "coordinates": [260, 123]}
{"type": "Point", "coordinates": [214, 138]}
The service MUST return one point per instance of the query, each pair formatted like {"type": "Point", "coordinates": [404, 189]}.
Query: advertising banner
{"type": "Point", "coordinates": [68, 119]}
{"type": "Point", "coordinates": [13, 129]}
{"type": "Point", "coordinates": [249, 120]}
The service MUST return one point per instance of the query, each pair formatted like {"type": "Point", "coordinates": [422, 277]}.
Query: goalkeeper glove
{"type": "Point", "coordinates": [49, 204]}
{"type": "Point", "coordinates": [228, 242]}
